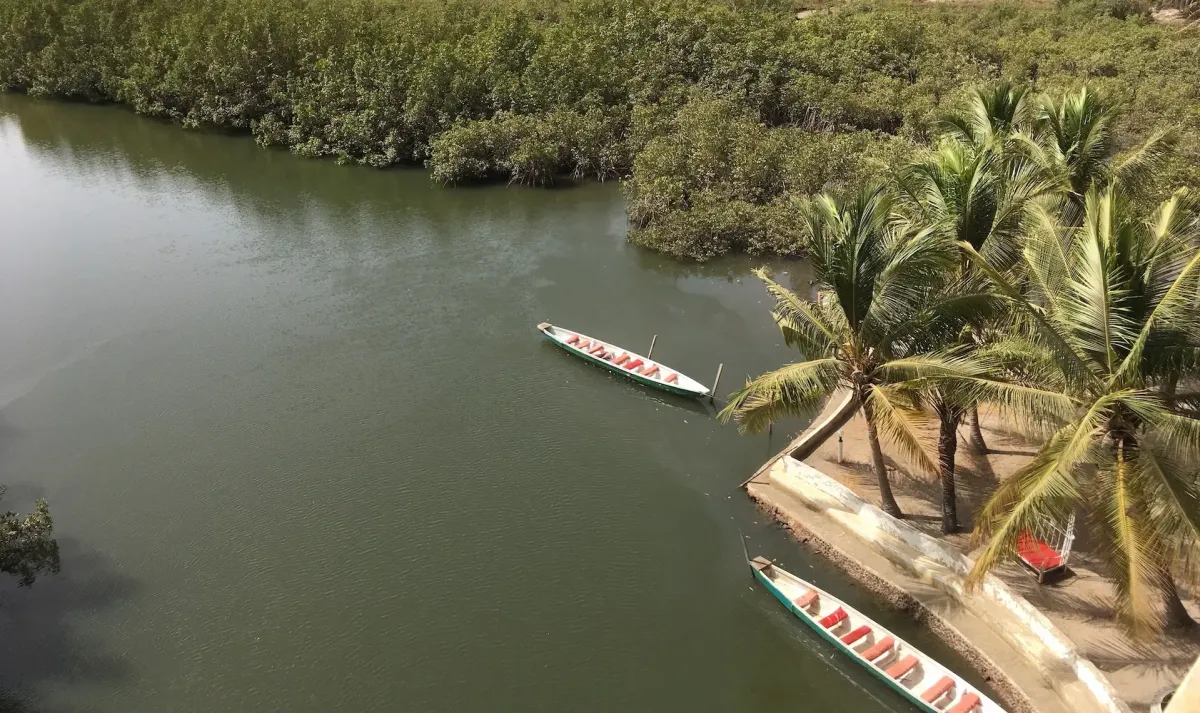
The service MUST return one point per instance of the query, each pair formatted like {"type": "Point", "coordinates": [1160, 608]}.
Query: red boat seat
{"type": "Point", "coordinates": [879, 649]}
{"type": "Point", "coordinates": [967, 704]}
{"type": "Point", "coordinates": [574, 338]}
{"type": "Point", "coordinates": [651, 371]}
{"type": "Point", "coordinates": [806, 600]}
{"type": "Point", "coordinates": [622, 359]}
{"type": "Point", "coordinates": [856, 634]}
{"type": "Point", "coordinates": [596, 350]}
{"type": "Point", "coordinates": [583, 344]}
{"type": "Point", "coordinates": [901, 668]}
{"type": "Point", "coordinates": [634, 364]}
{"type": "Point", "coordinates": [672, 379]}
{"type": "Point", "coordinates": [944, 685]}
{"type": "Point", "coordinates": [1038, 554]}
{"type": "Point", "coordinates": [837, 617]}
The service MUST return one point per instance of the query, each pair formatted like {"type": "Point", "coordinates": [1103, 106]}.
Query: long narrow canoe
{"type": "Point", "coordinates": [916, 676]}
{"type": "Point", "coordinates": [624, 362]}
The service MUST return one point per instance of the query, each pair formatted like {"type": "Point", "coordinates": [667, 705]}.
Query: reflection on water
{"type": "Point", "coordinates": [305, 450]}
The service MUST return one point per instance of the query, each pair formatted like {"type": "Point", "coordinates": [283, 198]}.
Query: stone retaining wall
{"type": "Point", "coordinates": [1075, 677]}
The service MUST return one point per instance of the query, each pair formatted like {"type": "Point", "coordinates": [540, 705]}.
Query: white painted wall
{"type": "Point", "coordinates": [1023, 625]}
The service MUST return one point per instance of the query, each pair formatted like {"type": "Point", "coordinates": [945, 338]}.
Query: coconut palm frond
{"type": "Point", "coordinates": [1132, 547]}
{"type": "Point", "coordinates": [1076, 366]}
{"type": "Point", "coordinates": [1045, 253]}
{"type": "Point", "coordinates": [1173, 496]}
{"type": "Point", "coordinates": [1136, 168]}
{"type": "Point", "coordinates": [849, 246]}
{"type": "Point", "coordinates": [799, 389]}
{"type": "Point", "coordinates": [803, 323]}
{"type": "Point", "coordinates": [1177, 304]}
{"type": "Point", "coordinates": [917, 264]}
{"type": "Point", "coordinates": [993, 113]}
{"type": "Point", "coordinates": [1038, 409]}
{"type": "Point", "coordinates": [899, 421]}
{"type": "Point", "coordinates": [1177, 433]}
{"type": "Point", "coordinates": [941, 366]}
{"type": "Point", "coordinates": [1096, 301]}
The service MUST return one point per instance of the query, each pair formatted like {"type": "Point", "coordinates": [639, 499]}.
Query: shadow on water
{"type": "Point", "coordinates": [41, 643]}
{"type": "Point", "coordinates": [295, 196]}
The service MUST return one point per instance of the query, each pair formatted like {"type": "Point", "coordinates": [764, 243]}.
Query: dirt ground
{"type": "Point", "coordinates": [1079, 604]}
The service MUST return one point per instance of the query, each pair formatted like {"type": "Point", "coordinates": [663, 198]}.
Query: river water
{"type": "Point", "coordinates": [306, 452]}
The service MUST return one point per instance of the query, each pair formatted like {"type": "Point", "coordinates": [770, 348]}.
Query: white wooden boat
{"type": "Point", "coordinates": [893, 660]}
{"type": "Point", "coordinates": [624, 362]}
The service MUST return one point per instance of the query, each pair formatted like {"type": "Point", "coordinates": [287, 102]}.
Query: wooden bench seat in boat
{"type": "Point", "coordinates": [968, 703]}
{"type": "Point", "coordinates": [944, 685]}
{"type": "Point", "coordinates": [856, 634]}
{"type": "Point", "coordinates": [879, 649]}
{"type": "Point", "coordinates": [806, 600]}
{"type": "Point", "coordinates": [903, 667]}
{"type": "Point", "coordinates": [838, 616]}
{"type": "Point", "coordinates": [672, 379]}
{"type": "Point", "coordinates": [621, 359]}
{"type": "Point", "coordinates": [651, 371]}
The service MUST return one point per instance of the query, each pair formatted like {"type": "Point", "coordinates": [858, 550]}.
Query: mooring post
{"type": "Point", "coordinates": [713, 393]}
{"type": "Point", "coordinates": [651, 352]}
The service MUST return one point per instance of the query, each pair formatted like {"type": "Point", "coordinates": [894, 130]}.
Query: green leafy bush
{"type": "Point", "coordinates": [530, 90]}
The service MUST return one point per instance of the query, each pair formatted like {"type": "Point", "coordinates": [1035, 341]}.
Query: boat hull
{"type": "Point", "coordinates": [646, 381]}
{"type": "Point", "coordinates": [984, 705]}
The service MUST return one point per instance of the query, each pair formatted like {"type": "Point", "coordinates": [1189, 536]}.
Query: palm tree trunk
{"type": "Point", "coordinates": [1175, 614]}
{"type": "Point", "coordinates": [948, 416]}
{"type": "Point", "coordinates": [976, 432]}
{"type": "Point", "coordinates": [890, 506]}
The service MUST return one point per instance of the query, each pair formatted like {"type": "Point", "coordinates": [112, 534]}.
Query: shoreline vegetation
{"type": "Point", "coordinates": [717, 115]}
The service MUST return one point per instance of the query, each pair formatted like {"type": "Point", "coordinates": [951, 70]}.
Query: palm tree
{"type": "Point", "coordinates": [1111, 306]}
{"type": "Point", "coordinates": [1072, 142]}
{"type": "Point", "coordinates": [997, 118]}
{"type": "Point", "coordinates": [977, 197]}
{"type": "Point", "coordinates": [994, 114]}
{"type": "Point", "coordinates": [864, 333]}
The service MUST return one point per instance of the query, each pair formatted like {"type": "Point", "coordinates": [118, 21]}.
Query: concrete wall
{"type": "Point", "coordinates": [1076, 678]}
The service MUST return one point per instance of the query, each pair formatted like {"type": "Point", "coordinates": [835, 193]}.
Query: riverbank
{"type": "Point", "coordinates": [716, 115]}
{"type": "Point", "coordinates": [1058, 639]}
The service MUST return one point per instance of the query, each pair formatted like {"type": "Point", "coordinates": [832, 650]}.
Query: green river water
{"type": "Point", "coordinates": [306, 452]}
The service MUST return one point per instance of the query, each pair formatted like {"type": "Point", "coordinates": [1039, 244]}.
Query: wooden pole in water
{"type": "Point", "coordinates": [712, 394]}
{"type": "Point", "coordinates": [651, 352]}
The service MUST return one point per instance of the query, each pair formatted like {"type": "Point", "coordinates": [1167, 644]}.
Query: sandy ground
{"type": "Point", "coordinates": [1078, 604]}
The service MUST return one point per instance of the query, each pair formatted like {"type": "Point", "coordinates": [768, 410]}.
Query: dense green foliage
{"type": "Point", "coordinates": [530, 90]}
{"type": "Point", "coordinates": [27, 545]}
{"type": "Point", "coordinates": [1023, 267]}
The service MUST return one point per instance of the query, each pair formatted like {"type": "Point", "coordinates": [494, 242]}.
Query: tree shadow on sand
{"type": "Point", "coordinates": [40, 642]}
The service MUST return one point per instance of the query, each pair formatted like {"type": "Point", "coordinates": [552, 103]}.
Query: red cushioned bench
{"type": "Point", "coordinates": [856, 634]}
{"type": "Point", "coordinates": [944, 685]}
{"type": "Point", "coordinates": [879, 649]}
{"type": "Point", "coordinates": [1039, 556]}
{"type": "Point", "coordinates": [837, 617]}
{"type": "Point", "coordinates": [901, 668]}
{"type": "Point", "coordinates": [806, 600]}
